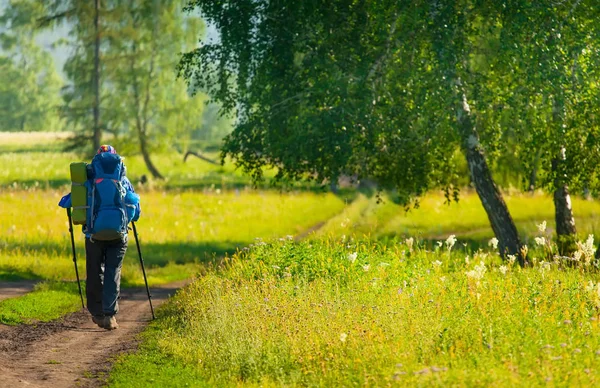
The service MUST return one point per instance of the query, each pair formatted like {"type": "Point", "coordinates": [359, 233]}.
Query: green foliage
{"type": "Point", "coordinates": [142, 105]}
{"type": "Point", "coordinates": [550, 83]}
{"type": "Point", "coordinates": [29, 97]}
{"type": "Point", "coordinates": [47, 302]}
{"type": "Point", "coordinates": [342, 313]}
{"type": "Point", "coordinates": [153, 107]}
{"type": "Point", "coordinates": [327, 89]}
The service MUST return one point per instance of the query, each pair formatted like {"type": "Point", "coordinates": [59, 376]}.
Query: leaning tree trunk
{"type": "Point", "coordinates": [563, 212]}
{"type": "Point", "coordinates": [500, 219]}
{"type": "Point", "coordinates": [146, 155]}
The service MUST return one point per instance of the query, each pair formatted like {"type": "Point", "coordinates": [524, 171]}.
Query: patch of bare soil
{"type": "Point", "coordinates": [73, 351]}
{"type": "Point", "coordinates": [13, 289]}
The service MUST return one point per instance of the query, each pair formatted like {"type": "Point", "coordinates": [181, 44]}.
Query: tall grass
{"type": "Point", "coordinates": [345, 313]}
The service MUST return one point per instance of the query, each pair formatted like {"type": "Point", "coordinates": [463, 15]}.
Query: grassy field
{"type": "Point", "coordinates": [181, 227]}
{"type": "Point", "coordinates": [375, 296]}
{"type": "Point", "coordinates": [334, 312]}
{"type": "Point", "coordinates": [435, 219]}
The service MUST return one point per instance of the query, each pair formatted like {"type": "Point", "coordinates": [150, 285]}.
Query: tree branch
{"type": "Point", "coordinates": [46, 20]}
{"type": "Point", "coordinates": [200, 157]}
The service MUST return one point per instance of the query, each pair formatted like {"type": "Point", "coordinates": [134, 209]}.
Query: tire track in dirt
{"type": "Point", "coordinates": [15, 288]}
{"type": "Point", "coordinates": [74, 351]}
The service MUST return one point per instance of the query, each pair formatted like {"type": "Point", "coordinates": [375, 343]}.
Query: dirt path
{"type": "Point", "coordinates": [14, 289]}
{"type": "Point", "coordinates": [73, 351]}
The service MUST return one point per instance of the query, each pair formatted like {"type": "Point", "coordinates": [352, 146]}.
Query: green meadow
{"type": "Point", "coordinates": [182, 227]}
{"type": "Point", "coordinates": [300, 287]}
{"type": "Point", "coordinates": [333, 312]}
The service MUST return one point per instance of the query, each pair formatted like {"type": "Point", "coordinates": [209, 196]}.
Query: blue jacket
{"type": "Point", "coordinates": [65, 202]}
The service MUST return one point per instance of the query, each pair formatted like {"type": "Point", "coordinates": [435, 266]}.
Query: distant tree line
{"type": "Point", "coordinates": [121, 80]}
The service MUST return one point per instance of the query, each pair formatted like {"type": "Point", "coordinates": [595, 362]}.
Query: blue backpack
{"type": "Point", "coordinates": [107, 215]}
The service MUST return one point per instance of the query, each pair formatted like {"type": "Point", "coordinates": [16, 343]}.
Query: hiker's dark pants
{"type": "Point", "coordinates": [104, 260]}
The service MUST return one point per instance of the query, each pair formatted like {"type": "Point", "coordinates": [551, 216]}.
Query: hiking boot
{"type": "Point", "coordinates": [98, 320]}
{"type": "Point", "coordinates": [110, 322]}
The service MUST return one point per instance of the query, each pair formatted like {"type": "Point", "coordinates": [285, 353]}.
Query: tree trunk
{"type": "Point", "coordinates": [500, 219]}
{"type": "Point", "coordinates": [565, 223]}
{"type": "Point", "coordinates": [141, 110]}
{"type": "Point", "coordinates": [563, 213]}
{"type": "Point", "coordinates": [146, 155]}
{"type": "Point", "coordinates": [96, 78]}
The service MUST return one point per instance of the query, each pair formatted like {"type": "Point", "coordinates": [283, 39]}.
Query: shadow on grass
{"type": "Point", "coordinates": [159, 255]}
{"type": "Point", "coordinates": [154, 254]}
{"type": "Point", "coordinates": [38, 184]}
{"type": "Point", "coordinates": [11, 274]}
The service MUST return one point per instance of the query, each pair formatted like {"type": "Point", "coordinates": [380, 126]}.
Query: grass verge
{"type": "Point", "coordinates": [48, 301]}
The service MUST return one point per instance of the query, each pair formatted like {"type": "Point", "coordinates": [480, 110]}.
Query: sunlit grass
{"type": "Point", "coordinates": [344, 313]}
{"type": "Point", "coordinates": [37, 161]}
{"type": "Point", "coordinates": [177, 231]}
{"type": "Point", "coordinates": [436, 219]}
{"type": "Point", "coordinates": [48, 301]}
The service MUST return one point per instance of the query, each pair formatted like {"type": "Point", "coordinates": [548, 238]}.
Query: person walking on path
{"type": "Point", "coordinates": [111, 205]}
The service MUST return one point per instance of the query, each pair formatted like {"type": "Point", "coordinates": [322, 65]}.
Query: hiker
{"type": "Point", "coordinates": [111, 205]}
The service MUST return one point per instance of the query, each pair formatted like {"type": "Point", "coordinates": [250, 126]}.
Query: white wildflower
{"type": "Point", "coordinates": [437, 264]}
{"type": "Point", "coordinates": [366, 267]}
{"type": "Point", "coordinates": [493, 243]}
{"type": "Point", "coordinates": [409, 243]}
{"type": "Point", "coordinates": [467, 260]}
{"type": "Point", "coordinates": [594, 292]}
{"type": "Point", "coordinates": [450, 241]}
{"type": "Point", "coordinates": [343, 337]}
{"type": "Point", "coordinates": [511, 259]}
{"type": "Point", "coordinates": [503, 269]}
{"type": "Point", "coordinates": [439, 244]}
{"type": "Point", "coordinates": [542, 227]}
{"type": "Point", "coordinates": [352, 257]}
{"type": "Point", "coordinates": [477, 272]}
{"type": "Point", "coordinates": [524, 251]}
{"type": "Point", "coordinates": [540, 241]}
{"type": "Point", "coordinates": [586, 250]}
{"type": "Point", "coordinates": [590, 286]}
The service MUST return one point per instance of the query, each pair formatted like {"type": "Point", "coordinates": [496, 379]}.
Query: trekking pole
{"type": "Point", "coordinates": [137, 243]}
{"type": "Point", "coordinates": [74, 255]}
